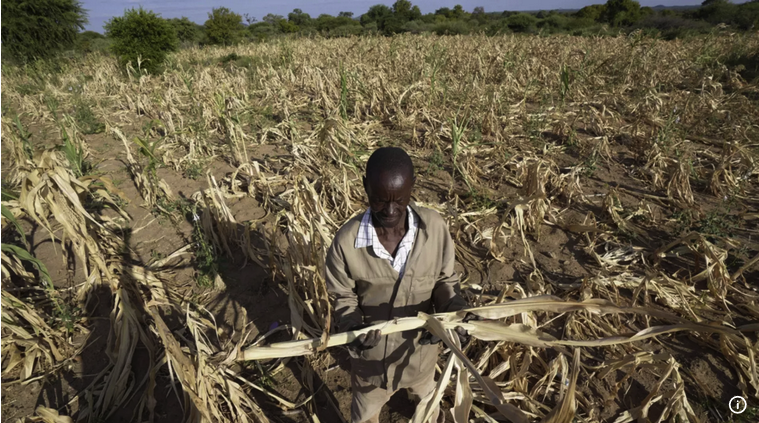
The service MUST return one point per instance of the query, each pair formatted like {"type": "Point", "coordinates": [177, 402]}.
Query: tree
{"type": "Point", "coordinates": [223, 26]}
{"type": "Point", "coordinates": [392, 25]}
{"type": "Point", "coordinates": [287, 27]}
{"type": "Point", "coordinates": [39, 29]}
{"type": "Point", "coordinates": [479, 15]}
{"type": "Point", "coordinates": [345, 15]}
{"type": "Point", "coordinates": [187, 30]}
{"type": "Point", "coordinates": [748, 16]}
{"type": "Point", "coordinates": [299, 18]}
{"type": "Point", "coordinates": [250, 20]}
{"type": "Point", "coordinates": [261, 30]}
{"type": "Point", "coordinates": [272, 18]}
{"type": "Point", "coordinates": [443, 11]}
{"type": "Point", "coordinates": [325, 22]}
{"type": "Point", "coordinates": [89, 41]}
{"type": "Point", "coordinates": [401, 7]}
{"type": "Point", "coordinates": [416, 13]}
{"type": "Point", "coordinates": [594, 12]}
{"type": "Point", "coordinates": [144, 35]}
{"type": "Point", "coordinates": [621, 12]}
{"type": "Point", "coordinates": [458, 12]}
{"type": "Point", "coordinates": [718, 11]}
{"type": "Point", "coordinates": [403, 12]}
{"type": "Point", "coordinates": [377, 13]}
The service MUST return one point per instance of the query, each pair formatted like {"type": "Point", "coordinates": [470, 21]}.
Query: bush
{"type": "Point", "coordinates": [85, 41]}
{"type": "Point", "coordinates": [224, 27]}
{"type": "Point", "coordinates": [392, 25]}
{"type": "Point", "coordinates": [371, 28]}
{"type": "Point", "coordinates": [622, 12]}
{"type": "Point", "coordinates": [522, 22]}
{"type": "Point", "coordinates": [287, 27]}
{"type": "Point", "coordinates": [39, 29]}
{"type": "Point", "coordinates": [671, 27]}
{"type": "Point", "coordinates": [377, 14]}
{"type": "Point", "coordinates": [345, 31]}
{"type": "Point", "coordinates": [748, 16]}
{"type": "Point", "coordinates": [261, 31]}
{"type": "Point", "coordinates": [452, 28]}
{"type": "Point", "coordinates": [498, 28]}
{"type": "Point", "coordinates": [141, 34]}
{"type": "Point", "coordinates": [187, 30]}
{"type": "Point", "coordinates": [417, 27]}
{"type": "Point", "coordinates": [575, 24]}
{"type": "Point", "coordinates": [102, 45]}
{"type": "Point", "coordinates": [248, 62]}
{"type": "Point", "coordinates": [592, 12]}
{"type": "Point", "coordinates": [555, 23]}
{"type": "Point", "coordinates": [86, 120]}
{"type": "Point", "coordinates": [718, 12]}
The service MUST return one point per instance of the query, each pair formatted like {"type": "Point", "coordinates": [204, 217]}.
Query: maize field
{"type": "Point", "coordinates": [164, 235]}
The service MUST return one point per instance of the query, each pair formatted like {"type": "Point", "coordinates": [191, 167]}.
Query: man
{"type": "Point", "coordinates": [394, 260]}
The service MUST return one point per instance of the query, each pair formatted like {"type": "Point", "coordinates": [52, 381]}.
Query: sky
{"type": "Point", "coordinates": [99, 11]}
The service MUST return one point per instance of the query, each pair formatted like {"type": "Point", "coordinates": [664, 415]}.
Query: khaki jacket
{"type": "Point", "coordinates": [366, 290]}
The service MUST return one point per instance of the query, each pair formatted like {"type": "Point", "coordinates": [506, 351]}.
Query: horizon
{"type": "Point", "coordinates": [101, 11]}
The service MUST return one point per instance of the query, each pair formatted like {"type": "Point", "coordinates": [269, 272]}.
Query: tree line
{"type": "Point", "coordinates": [39, 29]}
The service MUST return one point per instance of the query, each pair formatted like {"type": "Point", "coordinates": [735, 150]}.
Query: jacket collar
{"type": "Point", "coordinates": [421, 240]}
{"type": "Point", "coordinates": [415, 208]}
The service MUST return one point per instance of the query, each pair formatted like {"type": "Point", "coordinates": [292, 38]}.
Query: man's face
{"type": "Point", "coordinates": [389, 194]}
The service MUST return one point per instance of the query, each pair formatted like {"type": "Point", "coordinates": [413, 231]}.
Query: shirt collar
{"type": "Point", "coordinates": [367, 233]}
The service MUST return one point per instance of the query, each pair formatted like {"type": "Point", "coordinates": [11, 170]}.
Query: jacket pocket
{"type": "Point", "coordinates": [421, 291]}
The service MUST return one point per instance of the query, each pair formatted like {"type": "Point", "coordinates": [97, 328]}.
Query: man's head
{"type": "Point", "coordinates": [388, 183]}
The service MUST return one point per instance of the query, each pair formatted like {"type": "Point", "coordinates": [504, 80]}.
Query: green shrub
{"type": "Point", "coordinates": [575, 23]}
{"type": "Point", "coordinates": [85, 41]}
{"type": "Point", "coordinates": [592, 12]}
{"type": "Point", "coordinates": [717, 12]}
{"type": "Point", "coordinates": [141, 34]}
{"type": "Point", "coordinates": [102, 45]}
{"type": "Point", "coordinates": [554, 23]}
{"type": "Point", "coordinates": [224, 27]}
{"type": "Point", "coordinates": [452, 28]}
{"type": "Point", "coordinates": [248, 62]}
{"type": "Point", "coordinates": [345, 31]}
{"type": "Point", "coordinates": [187, 30]}
{"type": "Point", "coordinates": [522, 22]}
{"type": "Point", "coordinates": [299, 18]}
{"type": "Point", "coordinates": [371, 28]}
{"type": "Point", "coordinates": [671, 27]}
{"type": "Point", "coordinates": [287, 27]}
{"type": "Point", "coordinates": [86, 120]}
{"type": "Point", "coordinates": [39, 29]}
{"type": "Point", "coordinates": [498, 28]}
{"type": "Point", "coordinates": [393, 25]}
{"type": "Point", "coordinates": [745, 62]}
{"type": "Point", "coordinates": [622, 12]}
{"type": "Point", "coordinates": [748, 16]}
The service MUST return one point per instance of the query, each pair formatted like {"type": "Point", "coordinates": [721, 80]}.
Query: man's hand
{"type": "Point", "coordinates": [464, 337]}
{"type": "Point", "coordinates": [364, 342]}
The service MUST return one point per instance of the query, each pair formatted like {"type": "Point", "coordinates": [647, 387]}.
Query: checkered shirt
{"type": "Point", "coordinates": [367, 237]}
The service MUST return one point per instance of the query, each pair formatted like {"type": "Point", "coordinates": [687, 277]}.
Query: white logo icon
{"type": "Point", "coordinates": [737, 404]}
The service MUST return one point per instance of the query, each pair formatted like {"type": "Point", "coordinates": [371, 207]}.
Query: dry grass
{"type": "Point", "coordinates": [523, 155]}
